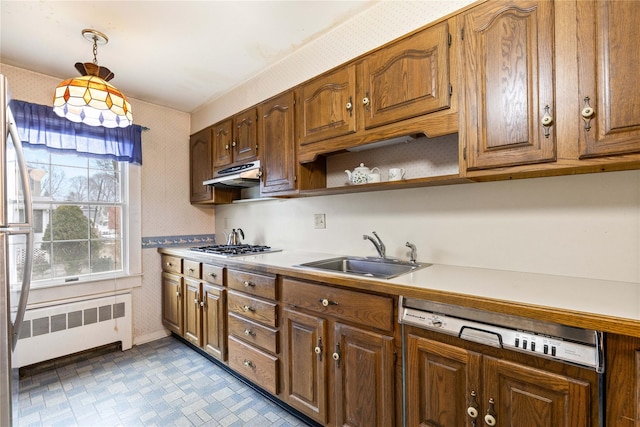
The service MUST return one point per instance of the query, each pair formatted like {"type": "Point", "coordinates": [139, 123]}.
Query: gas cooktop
{"type": "Point", "coordinates": [234, 250]}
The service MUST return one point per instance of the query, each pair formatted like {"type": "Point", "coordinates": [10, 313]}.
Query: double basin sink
{"type": "Point", "coordinates": [380, 268]}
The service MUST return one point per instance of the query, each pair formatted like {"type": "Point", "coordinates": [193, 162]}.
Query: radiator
{"type": "Point", "coordinates": [73, 326]}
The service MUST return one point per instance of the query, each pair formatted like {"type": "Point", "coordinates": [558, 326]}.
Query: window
{"type": "Point", "coordinates": [86, 184]}
{"type": "Point", "coordinates": [81, 201]}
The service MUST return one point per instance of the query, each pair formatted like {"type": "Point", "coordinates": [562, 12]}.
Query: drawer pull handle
{"type": "Point", "coordinates": [325, 302]}
{"type": "Point", "coordinates": [248, 283]}
{"type": "Point", "coordinates": [247, 308]}
{"type": "Point", "coordinates": [169, 264]}
{"type": "Point", "coordinates": [249, 332]}
{"type": "Point", "coordinates": [249, 364]}
{"type": "Point", "coordinates": [214, 275]}
{"type": "Point", "coordinates": [191, 270]}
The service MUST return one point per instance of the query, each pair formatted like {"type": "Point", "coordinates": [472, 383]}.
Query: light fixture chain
{"type": "Point", "coordinates": [95, 50]}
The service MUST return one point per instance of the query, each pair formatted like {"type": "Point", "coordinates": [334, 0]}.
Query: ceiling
{"type": "Point", "coordinates": [179, 54]}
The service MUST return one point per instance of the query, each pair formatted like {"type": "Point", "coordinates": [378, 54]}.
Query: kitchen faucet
{"type": "Point", "coordinates": [412, 257]}
{"type": "Point", "coordinates": [379, 245]}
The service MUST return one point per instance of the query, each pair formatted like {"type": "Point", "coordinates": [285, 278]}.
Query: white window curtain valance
{"type": "Point", "coordinates": [38, 125]}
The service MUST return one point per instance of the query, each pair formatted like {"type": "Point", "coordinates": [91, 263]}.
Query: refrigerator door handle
{"type": "Point", "coordinates": [28, 228]}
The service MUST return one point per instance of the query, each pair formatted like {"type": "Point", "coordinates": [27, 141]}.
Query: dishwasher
{"type": "Point", "coordinates": [580, 347]}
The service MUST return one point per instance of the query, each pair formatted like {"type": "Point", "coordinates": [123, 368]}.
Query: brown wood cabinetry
{"type": "Point", "coordinates": [408, 78]}
{"type": "Point", "coordinates": [282, 173]}
{"type": "Point", "coordinates": [338, 366]}
{"type": "Point", "coordinates": [253, 327]}
{"type": "Point", "coordinates": [609, 94]}
{"type": "Point", "coordinates": [381, 95]}
{"type": "Point", "coordinates": [623, 381]}
{"type": "Point", "coordinates": [509, 84]}
{"type": "Point", "coordinates": [236, 139]}
{"type": "Point", "coordinates": [194, 303]}
{"type": "Point", "coordinates": [201, 169]}
{"type": "Point", "coordinates": [448, 385]}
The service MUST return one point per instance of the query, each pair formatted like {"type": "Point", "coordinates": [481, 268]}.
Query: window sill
{"type": "Point", "coordinates": [65, 292]}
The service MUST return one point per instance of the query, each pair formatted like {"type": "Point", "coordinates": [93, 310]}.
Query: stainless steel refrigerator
{"type": "Point", "coordinates": [16, 252]}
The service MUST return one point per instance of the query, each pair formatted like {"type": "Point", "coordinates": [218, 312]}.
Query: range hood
{"type": "Point", "coordinates": [240, 176]}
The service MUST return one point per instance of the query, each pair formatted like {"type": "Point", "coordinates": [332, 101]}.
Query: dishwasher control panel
{"type": "Point", "coordinates": [586, 351]}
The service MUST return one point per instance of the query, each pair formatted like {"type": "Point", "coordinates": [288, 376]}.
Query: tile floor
{"type": "Point", "coordinates": [162, 383]}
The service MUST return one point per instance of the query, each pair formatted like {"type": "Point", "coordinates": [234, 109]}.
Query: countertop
{"type": "Point", "coordinates": [610, 306]}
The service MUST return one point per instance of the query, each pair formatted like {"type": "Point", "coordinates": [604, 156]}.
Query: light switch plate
{"type": "Point", "coordinates": [319, 221]}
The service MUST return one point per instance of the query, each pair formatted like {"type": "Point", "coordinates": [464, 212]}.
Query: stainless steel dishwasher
{"type": "Point", "coordinates": [576, 346]}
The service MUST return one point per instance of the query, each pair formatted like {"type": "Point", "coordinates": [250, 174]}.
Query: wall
{"type": "Point", "coordinates": [166, 210]}
{"type": "Point", "coordinates": [581, 225]}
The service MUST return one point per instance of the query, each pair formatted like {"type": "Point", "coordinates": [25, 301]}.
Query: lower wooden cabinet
{"type": "Point", "coordinates": [452, 386]}
{"type": "Point", "coordinates": [623, 381]}
{"type": "Point", "coordinates": [172, 314]}
{"type": "Point", "coordinates": [337, 374]}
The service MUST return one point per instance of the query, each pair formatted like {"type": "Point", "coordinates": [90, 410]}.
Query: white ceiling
{"type": "Point", "coordinates": [179, 54]}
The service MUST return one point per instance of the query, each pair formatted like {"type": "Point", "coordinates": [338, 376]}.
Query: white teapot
{"type": "Point", "coordinates": [363, 175]}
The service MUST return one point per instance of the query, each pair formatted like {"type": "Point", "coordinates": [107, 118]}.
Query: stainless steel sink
{"type": "Point", "coordinates": [382, 268]}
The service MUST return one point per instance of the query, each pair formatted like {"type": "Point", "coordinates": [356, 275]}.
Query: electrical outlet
{"type": "Point", "coordinates": [319, 221]}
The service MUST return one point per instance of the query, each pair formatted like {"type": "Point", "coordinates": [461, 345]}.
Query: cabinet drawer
{"type": "Point", "coordinates": [213, 274]}
{"type": "Point", "coordinates": [172, 264]}
{"type": "Point", "coordinates": [255, 365]}
{"type": "Point", "coordinates": [367, 310]}
{"type": "Point", "coordinates": [191, 268]}
{"type": "Point", "coordinates": [252, 308]}
{"type": "Point", "coordinates": [253, 333]}
{"type": "Point", "coordinates": [252, 283]}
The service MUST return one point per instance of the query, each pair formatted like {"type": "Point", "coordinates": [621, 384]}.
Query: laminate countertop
{"type": "Point", "coordinates": [610, 306]}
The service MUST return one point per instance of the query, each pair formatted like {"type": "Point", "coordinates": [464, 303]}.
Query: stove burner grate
{"type": "Point", "coordinates": [234, 250]}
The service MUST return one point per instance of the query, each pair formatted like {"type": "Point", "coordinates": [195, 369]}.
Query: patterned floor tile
{"type": "Point", "coordinates": [162, 383]}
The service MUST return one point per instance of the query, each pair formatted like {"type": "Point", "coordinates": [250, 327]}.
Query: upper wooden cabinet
{"type": "Point", "coordinates": [609, 93]}
{"type": "Point", "coordinates": [509, 83]}
{"type": "Point", "coordinates": [282, 173]}
{"type": "Point", "coordinates": [408, 78]}
{"type": "Point", "coordinates": [387, 93]}
{"type": "Point", "coordinates": [236, 139]}
{"type": "Point", "coordinates": [327, 106]}
{"type": "Point", "coordinates": [201, 169]}
{"type": "Point", "coordinates": [200, 156]}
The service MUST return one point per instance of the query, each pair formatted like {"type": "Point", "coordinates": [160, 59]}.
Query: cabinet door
{"type": "Point", "coordinates": [306, 351]}
{"type": "Point", "coordinates": [278, 154]}
{"type": "Point", "coordinates": [408, 78]}
{"type": "Point", "coordinates": [213, 321]}
{"type": "Point", "coordinates": [364, 377]}
{"type": "Point", "coordinates": [509, 66]}
{"type": "Point", "coordinates": [222, 143]}
{"type": "Point", "coordinates": [200, 162]}
{"type": "Point", "coordinates": [529, 397]}
{"type": "Point", "coordinates": [440, 379]}
{"type": "Point", "coordinates": [172, 303]}
{"type": "Point", "coordinates": [608, 75]}
{"type": "Point", "coordinates": [192, 311]}
{"type": "Point", "coordinates": [327, 106]}
{"type": "Point", "coordinates": [245, 139]}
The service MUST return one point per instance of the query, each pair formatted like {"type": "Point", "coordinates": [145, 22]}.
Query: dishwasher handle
{"type": "Point", "coordinates": [481, 336]}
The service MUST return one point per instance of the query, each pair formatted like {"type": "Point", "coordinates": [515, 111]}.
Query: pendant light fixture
{"type": "Point", "coordinates": [90, 99]}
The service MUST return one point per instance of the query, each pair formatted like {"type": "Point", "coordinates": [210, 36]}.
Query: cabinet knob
{"type": "Point", "coordinates": [547, 121]}
{"type": "Point", "coordinates": [490, 417]}
{"type": "Point", "coordinates": [326, 302]}
{"type": "Point", "coordinates": [472, 410]}
{"type": "Point", "coordinates": [587, 113]}
{"type": "Point", "coordinates": [226, 147]}
{"type": "Point", "coordinates": [247, 283]}
{"type": "Point", "coordinates": [365, 101]}
{"type": "Point", "coordinates": [248, 364]}
{"type": "Point", "coordinates": [247, 308]}
{"type": "Point", "coordinates": [169, 264]}
{"type": "Point", "coordinates": [249, 332]}
{"type": "Point", "coordinates": [349, 106]}
{"type": "Point", "coordinates": [214, 275]}
{"type": "Point", "coordinates": [318, 350]}
{"type": "Point", "coordinates": [336, 356]}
